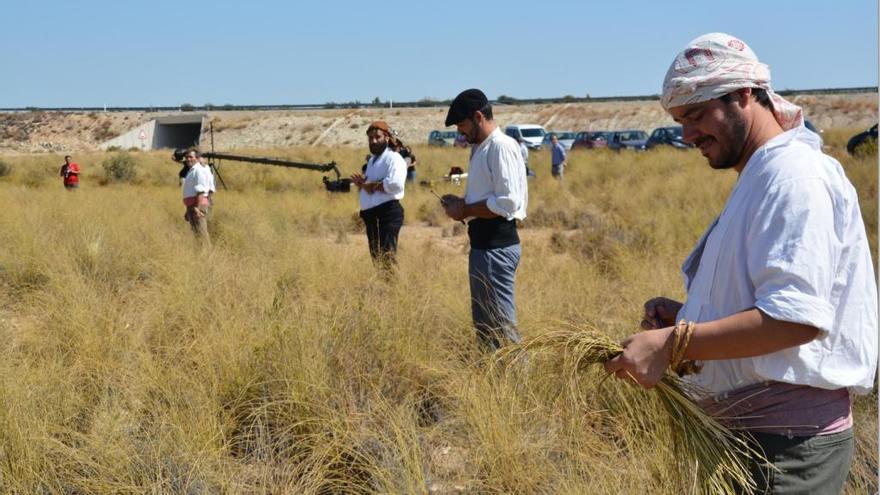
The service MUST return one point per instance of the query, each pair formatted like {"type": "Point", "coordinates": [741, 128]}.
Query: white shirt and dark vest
{"type": "Point", "coordinates": [497, 175]}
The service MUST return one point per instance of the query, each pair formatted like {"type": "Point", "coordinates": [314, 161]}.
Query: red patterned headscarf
{"type": "Point", "coordinates": [716, 64]}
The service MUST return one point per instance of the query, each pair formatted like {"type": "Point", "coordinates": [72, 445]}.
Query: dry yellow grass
{"type": "Point", "coordinates": [133, 361]}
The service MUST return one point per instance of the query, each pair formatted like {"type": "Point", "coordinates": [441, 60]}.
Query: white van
{"type": "Point", "coordinates": [531, 134]}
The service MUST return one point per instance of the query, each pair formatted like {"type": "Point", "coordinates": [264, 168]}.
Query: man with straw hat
{"type": "Point", "coordinates": [780, 322]}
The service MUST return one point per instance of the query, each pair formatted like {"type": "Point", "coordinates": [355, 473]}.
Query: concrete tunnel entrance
{"type": "Point", "coordinates": [171, 131]}
{"type": "Point", "coordinates": [177, 132]}
{"type": "Point", "coordinates": [177, 135]}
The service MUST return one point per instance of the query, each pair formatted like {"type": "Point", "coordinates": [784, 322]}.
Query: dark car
{"type": "Point", "coordinates": [670, 136]}
{"type": "Point", "coordinates": [590, 140]}
{"type": "Point", "coordinates": [628, 140]}
{"type": "Point", "coordinates": [863, 140]}
{"type": "Point", "coordinates": [447, 138]}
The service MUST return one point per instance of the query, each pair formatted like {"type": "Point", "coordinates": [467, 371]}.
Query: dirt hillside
{"type": "Point", "coordinates": [39, 131]}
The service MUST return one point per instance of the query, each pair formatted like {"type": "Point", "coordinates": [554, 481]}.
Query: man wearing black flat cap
{"type": "Point", "coordinates": [496, 197]}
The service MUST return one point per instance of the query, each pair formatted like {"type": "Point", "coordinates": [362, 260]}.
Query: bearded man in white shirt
{"type": "Point", "coordinates": [496, 197]}
{"type": "Point", "coordinates": [781, 309]}
{"type": "Point", "coordinates": [381, 189]}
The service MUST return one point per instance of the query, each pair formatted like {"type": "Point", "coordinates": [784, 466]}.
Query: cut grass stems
{"type": "Point", "coordinates": [709, 457]}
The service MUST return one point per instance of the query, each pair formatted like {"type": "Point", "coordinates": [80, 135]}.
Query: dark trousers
{"type": "Point", "coordinates": [383, 224]}
{"type": "Point", "coordinates": [806, 465]}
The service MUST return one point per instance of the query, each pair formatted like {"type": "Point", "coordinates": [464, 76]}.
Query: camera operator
{"type": "Point", "coordinates": [212, 185]}
{"type": "Point", "coordinates": [408, 156]}
{"type": "Point", "coordinates": [196, 190]}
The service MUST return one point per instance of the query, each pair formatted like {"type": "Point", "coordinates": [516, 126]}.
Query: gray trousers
{"type": "Point", "coordinates": [807, 465]}
{"type": "Point", "coordinates": [492, 274]}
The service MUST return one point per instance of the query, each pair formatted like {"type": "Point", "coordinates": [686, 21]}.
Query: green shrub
{"type": "Point", "coordinates": [5, 169]}
{"type": "Point", "coordinates": [121, 167]}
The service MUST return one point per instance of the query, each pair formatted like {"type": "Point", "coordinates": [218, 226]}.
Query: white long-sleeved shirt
{"type": "Point", "coordinates": [497, 175]}
{"type": "Point", "coordinates": [790, 242]}
{"type": "Point", "coordinates": [198, 180]}
{"type": "Point", "coordinates": [390, 169]}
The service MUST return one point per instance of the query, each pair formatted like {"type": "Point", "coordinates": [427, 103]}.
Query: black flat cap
{"type": "Point", "coordinates": [464, 105]}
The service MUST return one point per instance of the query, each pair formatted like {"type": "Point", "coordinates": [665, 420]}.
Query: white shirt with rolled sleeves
{"type": "Point", "coordinates": [497, 175]}
{"type": "Point", "coordinates": [791, 242]}
{"type": "Point", "coordinates": [390, 169]}
{"type": "Point", "coordinates": [212, 186]}
{"type": "Point", "coordinates": [198, 180]}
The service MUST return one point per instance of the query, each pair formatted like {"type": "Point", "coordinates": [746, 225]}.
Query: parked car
{"type": "Point", "coordinates": [446, 138]}
{"type": "Point", "coordinates": [531, 134]}
{"type": "Point", "coordinates": [566, 138]}
{"type": "Point", "coordinates": [862, 139]}
{"type": "Point", "coordinates": [590, 140]}
{"type": "Point", "coordinates": [631, 140]}
{"type": "Point", "coordinates": [671, 136]}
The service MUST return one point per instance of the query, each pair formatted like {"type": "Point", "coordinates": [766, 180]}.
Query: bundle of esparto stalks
{"type": "Point", "coordinates": [709, 457]}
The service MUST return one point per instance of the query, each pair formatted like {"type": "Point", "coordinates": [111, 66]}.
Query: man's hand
{"type": "Point", "coordinates": [660, 313]}
{"type": "Point", "coordinates": [358, 180]}
{"type": "Point", "coordinates": [645, 357]}
{"type": "Point", "coordinates": [453, 205]}
{"type": "Point", "coordinates": [375, 186]}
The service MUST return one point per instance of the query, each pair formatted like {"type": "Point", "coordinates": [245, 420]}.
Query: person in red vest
{"type": "Point", "coordinates": [70, 172]}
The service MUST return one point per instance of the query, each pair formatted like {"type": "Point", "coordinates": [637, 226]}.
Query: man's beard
{"type": "Point", "coordinates": [472, 137]}
{"type": "Point", "coordinates": [730, 153]}
{"type": "Point", "coordinates": [378, 149]}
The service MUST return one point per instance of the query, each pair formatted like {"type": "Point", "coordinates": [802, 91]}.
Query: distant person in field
{"type": "Point", "coordinates": [70, 173]}
{"type": "Point", "coordinates": [557, 158]}
{"type": "Point", "coordinates": [410, 158]}
{"type": "Point", "coordinates": [496, 196]}
{"type": "Point", "coordinates": [212, 186]}
{"type": "Point", "coordinates": [524, 151]}
{"type": "Point", "coordinates": [381, 189]}
{"type": "Point", "coordinates": [779, 327]}
{"type": "Point", "coordinates": [196, 191]}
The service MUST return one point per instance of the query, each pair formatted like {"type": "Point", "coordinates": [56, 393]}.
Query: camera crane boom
{"type": "Point", "coordinates": [337, 185]}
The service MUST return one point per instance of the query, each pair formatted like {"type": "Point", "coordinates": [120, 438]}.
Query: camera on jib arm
{"type": "Point", "coordinates": [179, 156]}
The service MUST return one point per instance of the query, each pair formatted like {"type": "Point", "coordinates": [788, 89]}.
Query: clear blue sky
{"type": "Point", "coordinates": [142, 52]}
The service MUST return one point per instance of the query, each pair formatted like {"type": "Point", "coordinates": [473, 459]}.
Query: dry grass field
{"type": "Point", "coordinates": [132, 360]}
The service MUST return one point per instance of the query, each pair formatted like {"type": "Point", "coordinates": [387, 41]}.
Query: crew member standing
{"type": "Point", "coordinates": [410, 158]}
{"type": "Point", "coordinates": [196, 188]}
{"type": "Point", "coordinates": [495, 197]}
{"type": "Point", "coordinates": [558, 158]}
{"type": "Point", "coordinates": [212, 186]}
{"type": "Point", "coordinates": [381, 189]}
{"type": "Point", "coordinates": [70, 173]}
{"type": "Point", "coordinates": [524, 151]}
